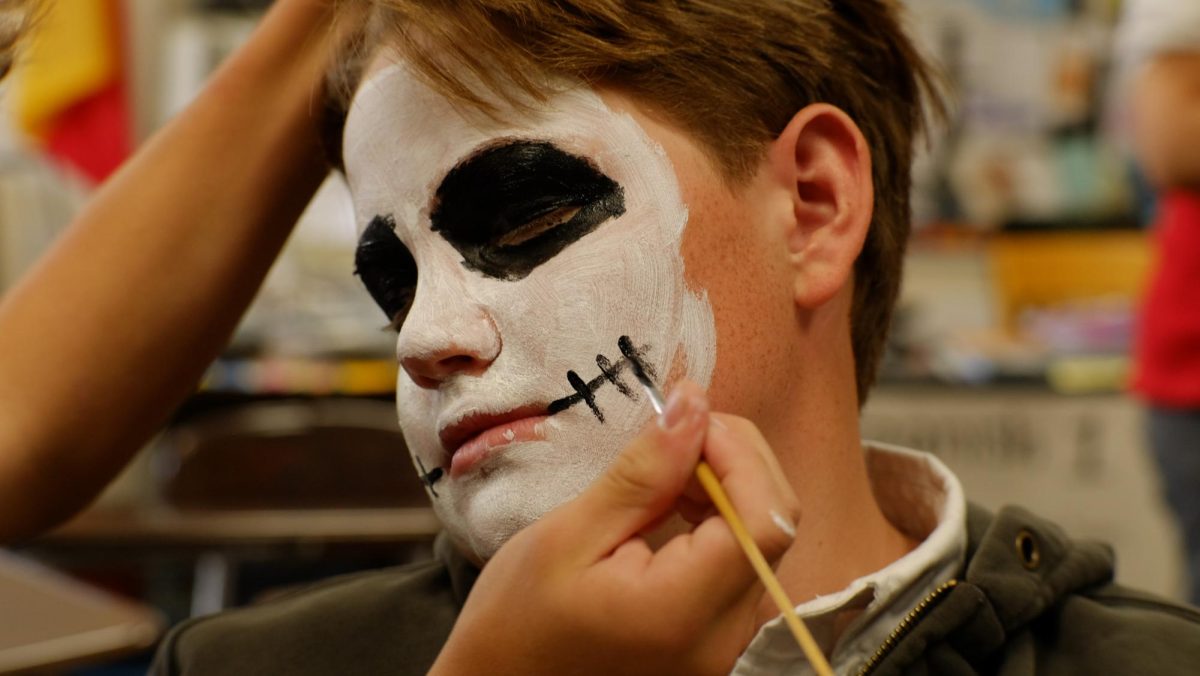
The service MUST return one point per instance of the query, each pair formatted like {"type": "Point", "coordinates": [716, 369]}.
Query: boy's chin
{"type": "Point", "coordinates": [510, 493]}
{"type": "Point", "coordinates": [479, 545]}
{"type": "Point", "coordinates": [483, 522]}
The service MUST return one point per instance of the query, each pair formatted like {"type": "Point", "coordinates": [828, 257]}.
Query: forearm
{"type": "Point", "coordinates": [1167, 119]}
{"type": "Point", "coordinates": [112, 329]}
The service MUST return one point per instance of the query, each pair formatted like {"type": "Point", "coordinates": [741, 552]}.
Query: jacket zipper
{"type": "Point", "coordinates": [905, 626]}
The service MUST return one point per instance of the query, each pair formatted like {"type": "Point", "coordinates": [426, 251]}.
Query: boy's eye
{"type": "Point", "coordinates": [537, 227]}
{"type": "Point", "coordinates": [387, 269]}
{"type": "Point", "coordinates": [511, 207]}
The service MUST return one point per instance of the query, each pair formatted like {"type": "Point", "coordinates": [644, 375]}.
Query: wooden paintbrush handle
{"type": "Point", "coordinates": [716, 493]}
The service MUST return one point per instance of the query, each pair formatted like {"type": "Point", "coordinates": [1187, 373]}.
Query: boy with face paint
{"type": "Point", "coordinates": [527, 252]}
{"type": "Point", "coordinates": [541, 205]}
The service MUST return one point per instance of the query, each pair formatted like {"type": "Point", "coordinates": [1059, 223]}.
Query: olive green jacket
{"type": "Point", "coordinates": [1030, 601]}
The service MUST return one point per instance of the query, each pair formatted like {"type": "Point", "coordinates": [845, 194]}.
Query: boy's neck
{"type": "Point", "coordinates": [842, 534]}
{"type": "Point", "coordinates": [844, 539]}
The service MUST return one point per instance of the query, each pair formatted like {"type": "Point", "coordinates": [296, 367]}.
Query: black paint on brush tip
{"type": "Point", "coordinates": [386, 268]}
{"type": "Point", "coordinates": [641, 370]}
{"type": "Point", "coordinates": [610, 372]}
{"type": "Point", "coordinates": [515, 205]}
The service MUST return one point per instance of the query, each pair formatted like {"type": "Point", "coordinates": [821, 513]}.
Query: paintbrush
{"type": "Point", "coordinates": [716, 493]}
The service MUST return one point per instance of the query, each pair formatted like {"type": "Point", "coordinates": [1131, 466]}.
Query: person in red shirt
{"type": "Point", "coordinates": [1161, 45]}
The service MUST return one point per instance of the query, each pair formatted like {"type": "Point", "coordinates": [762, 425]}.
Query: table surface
{"type": "Point", "coordinates": [51, 621]}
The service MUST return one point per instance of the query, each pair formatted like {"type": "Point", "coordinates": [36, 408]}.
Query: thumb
{"type": "Point", "coordinates": [645, 480]}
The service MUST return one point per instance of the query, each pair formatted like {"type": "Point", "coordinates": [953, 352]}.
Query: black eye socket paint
{"type": "Point", "coordinates": [386, 268]}
{"type": "Point", "coordinates": [511, 207]}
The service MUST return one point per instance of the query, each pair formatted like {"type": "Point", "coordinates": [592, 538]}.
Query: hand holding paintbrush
{"type": "Point", "coordinates": [581, 591]}
{"type": "Point", "coordinates": [712, 486]}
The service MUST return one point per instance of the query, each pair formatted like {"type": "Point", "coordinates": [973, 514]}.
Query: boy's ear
{"type": "Point", "coordinates": [822, 158]}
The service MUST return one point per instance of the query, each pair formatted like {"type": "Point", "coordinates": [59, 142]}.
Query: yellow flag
{"type": "Point", "coordinates": [72, 54]}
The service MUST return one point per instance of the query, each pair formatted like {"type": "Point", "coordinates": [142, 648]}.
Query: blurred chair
{"type": "Point", "coordinates": [319, 470]}
{"type": "Point", "coordinates": [290, 455]}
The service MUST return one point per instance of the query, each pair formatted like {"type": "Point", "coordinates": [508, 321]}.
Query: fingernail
{"type": "Point", "coordinates": [715, 422]}
{"type": "Point", "coordinates": [678, 407]}
{"type": "Point", "coordinates": [784, 524]}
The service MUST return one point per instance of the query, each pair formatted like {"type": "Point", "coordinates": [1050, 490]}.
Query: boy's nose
{"type": "Point", "coordinates": [449, 341]}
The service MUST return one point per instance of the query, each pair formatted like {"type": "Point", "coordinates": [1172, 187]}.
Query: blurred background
{"type": "Point", "coordinates": [1009, 357]}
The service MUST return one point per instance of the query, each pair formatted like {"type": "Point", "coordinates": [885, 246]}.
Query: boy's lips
{"type": "Point", "coordinates": [471, 439]}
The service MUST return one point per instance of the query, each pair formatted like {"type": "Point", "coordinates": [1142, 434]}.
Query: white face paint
{"type": "Point", "coordinates": [483, 347]}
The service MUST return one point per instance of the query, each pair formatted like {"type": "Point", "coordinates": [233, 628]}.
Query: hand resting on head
{"type": "Point", "coordinates": [114, 327]}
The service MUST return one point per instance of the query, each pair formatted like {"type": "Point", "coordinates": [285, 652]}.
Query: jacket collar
{"type": "Point", "coordinates": [1025, 563]}
{"type": "Point", "coordinates": [923, 499]}
{"type": "Point", "coordinates": [1018, 567]}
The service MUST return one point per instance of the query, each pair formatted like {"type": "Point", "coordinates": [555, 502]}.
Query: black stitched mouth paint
{"type": "Point", "coordinates": [516, 204]}
{"type": "Point", "coordinates": [641, 367]}
{"type": "Point", "coordinates": [585, 392]}
{"type": "Point", "coordinates": [430, 478]}
{"type": "Point", "coordinates": [610, 374]}
{"type": "Point", "coordinates": [641, 371]}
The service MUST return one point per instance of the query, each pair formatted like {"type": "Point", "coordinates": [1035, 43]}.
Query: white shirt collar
{"type": "Point", "coordinates": [922, 498]}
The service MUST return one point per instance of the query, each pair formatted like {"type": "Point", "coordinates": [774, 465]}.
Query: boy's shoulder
{"type": "Point", "coordinates": [1029, 599]}
{"type": "Point", "coordinates": [1033, 599]}
{"type": "Point", "coordinates": [387, 621]}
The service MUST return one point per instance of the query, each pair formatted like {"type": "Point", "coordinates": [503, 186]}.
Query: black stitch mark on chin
{"type": "Point", "coordinates": [430, 478]}
{"type": "Point", "coordinates": [609, 372]}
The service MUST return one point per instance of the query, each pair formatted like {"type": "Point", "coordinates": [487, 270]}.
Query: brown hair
{"type": "Point", "coordinates": [730, 72]}
{"type": "Point", "coordinates": [15, 17]}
